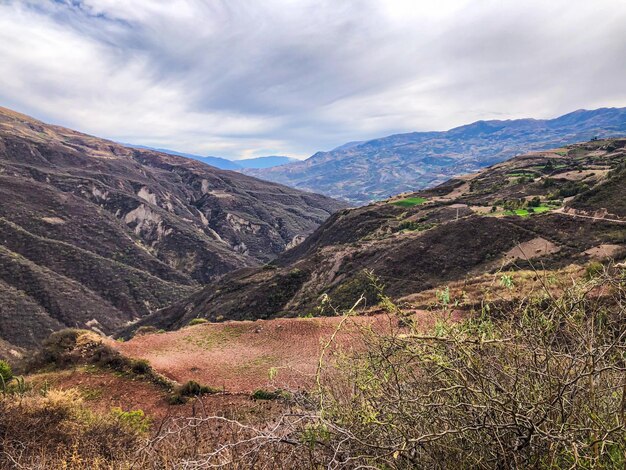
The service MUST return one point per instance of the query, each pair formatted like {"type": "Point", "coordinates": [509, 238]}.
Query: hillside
{"type": "Point", "coordinates": [546, 209]}
{"type": "Point", "coordinates": [361, 172]}
{"type": "Point", "coordinates": [95, 234]}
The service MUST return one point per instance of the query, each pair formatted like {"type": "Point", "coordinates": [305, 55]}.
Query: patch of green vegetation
{"type": "Point", "coordinates": [6, 374]}
{"type": "Point", "coordinates": [541, 209]}
{"type": "Point", "coordinates": [520, 212]}
{"type": "Point", "coordinates": [593, 269]}
{"type": "Point", "coordinates": [521, 174]}
{"type": "Point", "coordinates": [527, 211]}
{"type": "Point", "coordinates": [135, 420]}
{"type": "Point", "coordinates": [262, 394]}
{"type": "Point", "coordinates": [89, 393]}
{"type": "Point", "coordinates": [197, 321]}
{"type": "Point", "coordinates": [262, 361]}
{"type": "Point", "coordinates": [410, 202]}
{"type": "Point", "coordinates": [413, 226]}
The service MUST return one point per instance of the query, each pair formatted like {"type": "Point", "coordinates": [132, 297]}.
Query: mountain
{"type": "Point", "coordinates": [96, 234]}
{"type": "Point", "coordinates": [549, 209]}
{"type": "Point", "coordinates": [217, 162]}
{"type": "Point", "coordinates": [265, 162]}
{"type": "Point", "coordinates": [224, 163]}
{"type": "Point", "coordinates": [361, 172]}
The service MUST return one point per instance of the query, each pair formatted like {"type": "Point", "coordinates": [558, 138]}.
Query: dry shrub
{"type": "Point", "coordinates": [539, 384]}
{"type": "Point", "coordinates": [74, 347]}
{"type": "Point", "coordinates": [53, 429]}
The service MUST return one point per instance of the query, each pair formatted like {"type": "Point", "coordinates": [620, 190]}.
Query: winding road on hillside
{"type": "Point", "coordinates": [581, 216]}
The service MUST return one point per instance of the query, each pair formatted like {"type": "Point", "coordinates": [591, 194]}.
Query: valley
{"type": "Point", "coordinates": [94, 234]}
{"type": "Point", "coordinates": [440, 285]}
{"type": "Point", "coordinates": [568, 199]}
{"type": "Point", "coordinates": [184, 347]}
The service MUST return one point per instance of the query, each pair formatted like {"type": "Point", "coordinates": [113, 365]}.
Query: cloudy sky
{"type": "Point", "coordinates": [241, 78]}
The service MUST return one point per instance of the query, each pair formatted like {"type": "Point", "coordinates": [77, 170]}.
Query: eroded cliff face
{"type": "Point", "coordinates": [92, 231]}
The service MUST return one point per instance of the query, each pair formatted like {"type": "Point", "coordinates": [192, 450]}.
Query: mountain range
{"type": "Point", "coordinates": [226, 164]}
{"type": "Point", "coordinates": [94, 234]}
{"type": "Point", "coordinates": [360, 172]}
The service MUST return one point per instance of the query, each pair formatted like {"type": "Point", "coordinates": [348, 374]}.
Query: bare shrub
{"type": "Point", "coordinates": [537, 384]}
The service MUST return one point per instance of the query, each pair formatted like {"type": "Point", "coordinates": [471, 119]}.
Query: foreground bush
{"type": "Point", "coordinates": [53, 429]}
{"type": "Point", "coordinates": [539, 384]}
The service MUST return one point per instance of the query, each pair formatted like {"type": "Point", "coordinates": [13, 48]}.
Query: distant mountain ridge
{"type": "Point", "coordinates": [224, 163]}
{"type": "Point", "coordinates": [361, 172]}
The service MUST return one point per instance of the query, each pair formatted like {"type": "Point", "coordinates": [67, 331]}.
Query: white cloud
{"type": "Point", "coordinates": [242, 77]}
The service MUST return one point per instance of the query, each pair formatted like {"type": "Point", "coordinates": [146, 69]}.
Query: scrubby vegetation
{"type": "Point", "coordinates": [54, 429]}
{"type": "Point", "coordinates": [262, 394]}
{"type": "Point", "coordinates": [197, 321]}
{"type": "Point", "coordinates": [6, 373]}
{"type": "Point", "coordinates": [537, 382]}
{"type": "Point", "coordinates": [190, 389]}
{"type": "Point", "coordinates": [73, 347]}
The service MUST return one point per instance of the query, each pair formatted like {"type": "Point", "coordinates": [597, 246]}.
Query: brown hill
{"type": "Point", "coordinates": [545, 209]}
{"type": "Point", "coordinates": [95, 234]}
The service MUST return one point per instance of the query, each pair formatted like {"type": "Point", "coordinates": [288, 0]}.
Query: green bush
{"type": "Point", "coordinates": [190, 389]}
{"type": "Point", "coordinates": [194, 389]}
{"type": "Point", "coordinates": [134, 420]}
{"type": "Point", "coordinates": [593, 269]}
{"type": "Point", "coordinates": [572, 188]}
{"type": "Point", "coordinates": [198, 321]}
{"type": "Point", "coordinates": [140, 367]}
{"type": "Point", "coordinates": [262, 394]}
{"type": "Point", "coordinates": [5, 372]}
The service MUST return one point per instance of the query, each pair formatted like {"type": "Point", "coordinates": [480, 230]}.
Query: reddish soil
{"type": "Point", "coordinates": [237, 356]}
{"type": "Point", "coordinates": [102, 391]}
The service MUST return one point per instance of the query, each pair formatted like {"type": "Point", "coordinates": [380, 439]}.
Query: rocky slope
{"type": "Point", "coordinates": [95, 234]}
{"type": "Point", "coordinates": [546, 209]}
{"type": "Point", "coordinates": [361, 172]}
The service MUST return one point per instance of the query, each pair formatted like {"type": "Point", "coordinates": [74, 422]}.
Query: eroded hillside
{"type": "Point", "coordinates": [544, 209]}
{"type": "Point", "coordinates": [95, 234]}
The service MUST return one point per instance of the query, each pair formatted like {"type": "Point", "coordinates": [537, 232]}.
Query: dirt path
{"type": "Point", "coordinates": [581, 216]}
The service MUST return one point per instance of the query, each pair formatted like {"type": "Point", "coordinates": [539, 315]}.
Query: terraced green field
{"type": "Point", "coordinates": [526, 212]}
{"type": "Point", "coordinates": [410, 202]}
